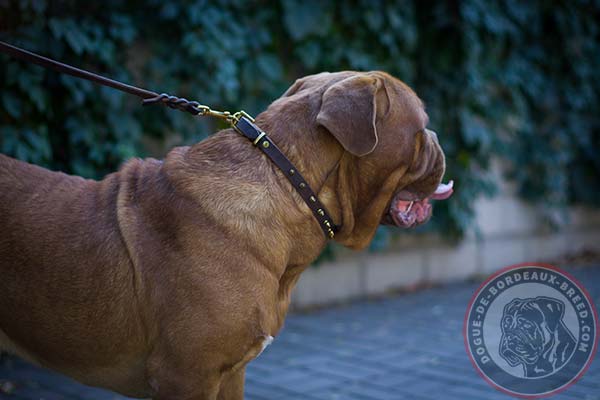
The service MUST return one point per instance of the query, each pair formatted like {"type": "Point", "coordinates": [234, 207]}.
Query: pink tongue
{"type": "Point", "coordinates": [443, 191]}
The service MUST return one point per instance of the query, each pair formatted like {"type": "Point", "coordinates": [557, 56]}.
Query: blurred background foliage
{"type": "Point", "coordinates": [509, 80]}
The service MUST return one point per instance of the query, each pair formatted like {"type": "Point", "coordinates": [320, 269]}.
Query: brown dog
{"type": "Point", "coordinates": [165, 279]}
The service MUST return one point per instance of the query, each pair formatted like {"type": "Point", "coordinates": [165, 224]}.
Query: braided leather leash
{"type": "Point", "coordinates": [240, 121]}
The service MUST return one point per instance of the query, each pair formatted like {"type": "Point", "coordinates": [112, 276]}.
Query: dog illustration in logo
{"type": "Point", "coordinates": [534, 335]}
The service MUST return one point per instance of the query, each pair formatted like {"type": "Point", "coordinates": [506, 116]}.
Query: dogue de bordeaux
{"type": "Point", "coordinates": [166, 278]}
{"type": "Point", "coordinates": [535, 336]}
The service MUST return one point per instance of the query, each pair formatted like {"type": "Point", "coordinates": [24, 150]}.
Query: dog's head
{"type": "Point", "coordinates": [390, 165]}
{"type": "Point", "coordinates": [529, 328]}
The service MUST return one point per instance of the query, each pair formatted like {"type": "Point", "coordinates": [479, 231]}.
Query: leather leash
{"type": "Point", "coordinates": [240, 121]}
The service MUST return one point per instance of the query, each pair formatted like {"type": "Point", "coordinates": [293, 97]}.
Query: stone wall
{"type": "Point", "coordinates": [509, 231]}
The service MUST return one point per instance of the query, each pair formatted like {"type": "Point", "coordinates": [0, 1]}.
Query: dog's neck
{"type": "Point", "coordinates": [313, 151]}
{"type": "Point", "coordinates": [249, 196]}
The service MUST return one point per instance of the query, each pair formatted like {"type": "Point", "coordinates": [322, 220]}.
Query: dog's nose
{"type": "Point", "coordinates": [433, 134]}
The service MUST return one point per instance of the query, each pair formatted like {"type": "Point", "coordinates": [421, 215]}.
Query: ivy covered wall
{"type": "Point", "coordinates": [515, 80]}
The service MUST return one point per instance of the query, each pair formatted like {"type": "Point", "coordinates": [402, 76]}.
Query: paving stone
{"type": "Point", "coordinates": [256, 391]}
{"type": "Point", "coordinates": [282, 379]}
{"type": "Point", "coordinates": [337, 394]}
{"type": "Point", "coordinates": [310, 383]}
{"type": "Point", "coordinates": [365, 390]}
{"type": "Point", "coordinates": [426, 389]}
{"type": "Point", "coordinates": [471, 393]}
{"type": "Point", "coordinates": [345, 370]}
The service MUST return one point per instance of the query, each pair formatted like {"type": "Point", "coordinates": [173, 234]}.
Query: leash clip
{"type": "Point", "coordinates": [232, 119]}
{"type": "Point", "coordinates": [204, 111]}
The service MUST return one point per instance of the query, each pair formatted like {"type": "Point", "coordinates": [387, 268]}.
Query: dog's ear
{"type": "Point", "coordinates": [348, 112]}
{"type": "Point", "coordinates": [296, 86]}
{"type": "Point", "coordinates": [552, 309]}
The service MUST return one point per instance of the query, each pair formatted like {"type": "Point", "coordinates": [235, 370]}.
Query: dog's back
{"type": "Point", "coordinates": [23, 184]}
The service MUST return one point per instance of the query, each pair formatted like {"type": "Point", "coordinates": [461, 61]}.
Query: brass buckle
{"type": "Point", "coordinates": [255, 142]}
{"type": "Point", "coordinates": [238, 115]}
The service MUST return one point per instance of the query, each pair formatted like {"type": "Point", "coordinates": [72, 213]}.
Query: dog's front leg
{"type": "Point", "coordinates": [232, 385]}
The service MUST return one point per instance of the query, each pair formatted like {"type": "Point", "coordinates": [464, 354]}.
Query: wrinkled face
{"type": "Point", "coordinates": [392, 165]}
{"type": "Point", "coordinates": [381, 121]}
{"type": "Point", "coordinates": [405, 138]}
{"type": "Point", "coordinates": [411, 204]}
{"type": "Point", "coordinates": [531, 328]}
{"type": "Point", "coordinates": [522, 339]}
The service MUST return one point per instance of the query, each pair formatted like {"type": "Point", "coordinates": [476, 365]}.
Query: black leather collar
{"type": "Point", "coordinates": [260, 139]}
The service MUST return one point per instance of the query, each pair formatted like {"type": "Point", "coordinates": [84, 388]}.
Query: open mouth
{"type": "Point", "coordinates": [406, 212]}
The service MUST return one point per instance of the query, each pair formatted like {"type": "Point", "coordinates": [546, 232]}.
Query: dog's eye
{"type": "Point", "coordinates": [525, 323]}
